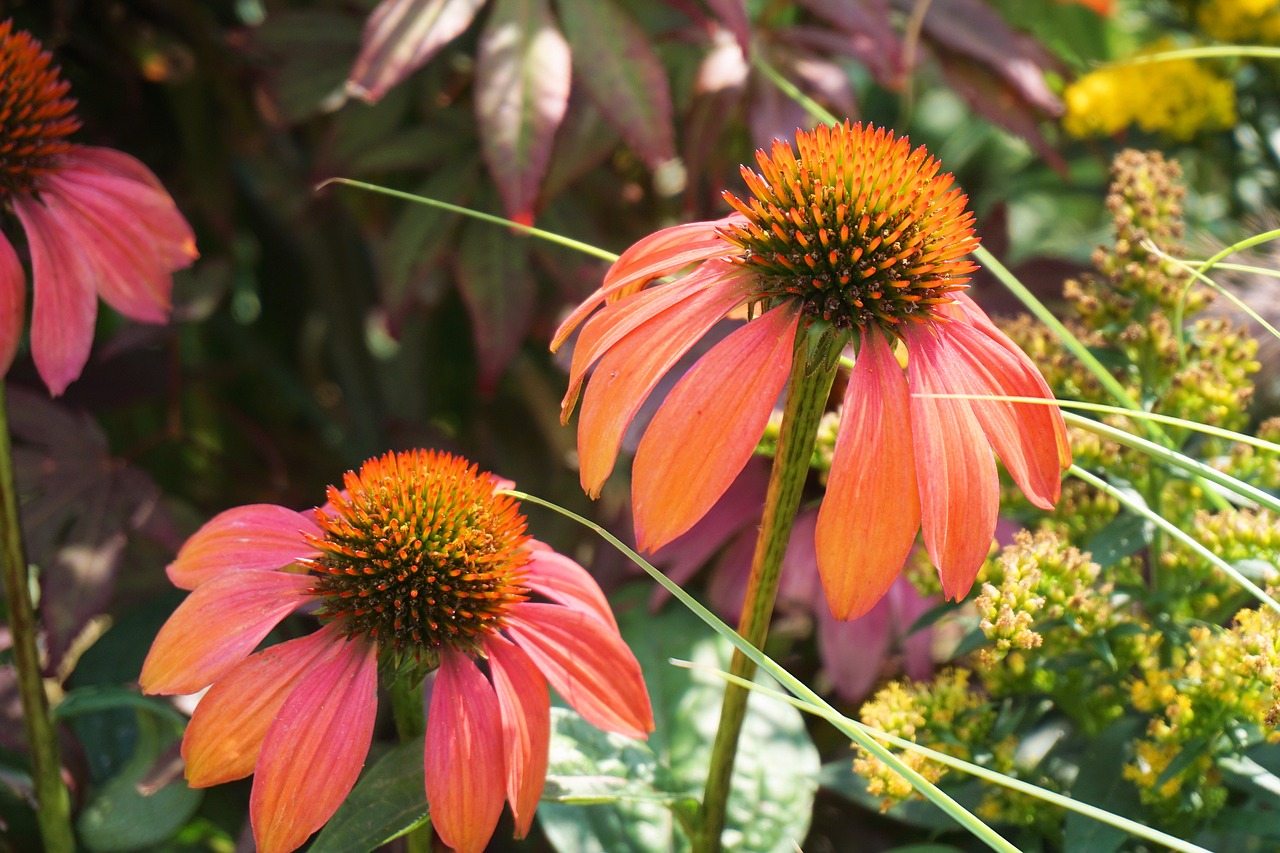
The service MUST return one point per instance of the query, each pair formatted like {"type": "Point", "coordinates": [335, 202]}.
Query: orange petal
{"type": "Point", "coordinates": [1024, 435]}
{"type": "Point", "coordinates": [627, 374]}
{"type": "Point", "coordinates": [315, 749]}
{"type": "Point", "coordinates": [709, 426]}
{"type": "Point", "coordinates": [587, 663]}
{"type": "Point", "coordinates": [255, 537]}
{"type": "Point", "coordinates": [526, 726]}
{"type": "Point", "coordinates": [565, 582]}
{"type": "Point", "coordinates": [871, 511]}
{"type": "Point", "coordinates": [464, 759]}
{"type": "Point", "coordinates": [217, 627]}
{"type": "Point", "coordinates": [955, 470]}
{"type": "Point", "coordinates": [660, 253]}
{"type": "Point", "coordinates": [620, 319]}
{"type": "Point", "coordinates": [226, 731]}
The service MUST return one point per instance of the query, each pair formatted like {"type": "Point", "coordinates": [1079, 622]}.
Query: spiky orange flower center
{"type": "Point", "coordinates": [35, 112]}
{"type": "Point", "coordinates": [858, 227]}
{"type": "Point", "coordinates": [419, 553]}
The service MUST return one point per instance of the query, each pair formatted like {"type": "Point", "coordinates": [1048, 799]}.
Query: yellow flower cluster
{"type": "Point", "coordinates": [1250, 21]}
{"type": "Point", "coordinates": [1178, 98]}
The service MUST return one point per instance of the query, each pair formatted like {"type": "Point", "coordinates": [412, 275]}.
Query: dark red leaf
{"type": "Point", "coordinates": [498, 288]}
{"type": "Point", "coordinates": [400, 36]}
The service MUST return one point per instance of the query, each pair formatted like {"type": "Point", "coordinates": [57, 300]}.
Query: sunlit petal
{"type": "Point", "coordinates": [526, 726]}
{"type": "Point", "coordinates": [246, 538]}
{"type": "Point", "coordinates": [565, 582]}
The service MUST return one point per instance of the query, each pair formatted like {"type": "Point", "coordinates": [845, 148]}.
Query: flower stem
{"type": "Point", "coordinates": [811, 375]}
{"type": "Point", "coordinates": [53, 801]}
{"type": "Point", "coordinates": [411, 722]}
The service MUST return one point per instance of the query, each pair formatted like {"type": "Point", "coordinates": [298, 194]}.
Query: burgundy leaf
{"type": "Point", "coordinates": [78, 506]}
{"type": "Point", "coordinates": [400, 36]}
{"type": "Point", "coordinates": [863, 32]}
{"type": "Point", "coordinates": [622, 74]}
{"type": "Point", "coordinates": [493, 272]}
{"type": "Point", "coordinates": [522, 90]}
{"type": "Point", "coordinates": [717, 91]}
{"type": "Point", "coordinates": [733, 14]}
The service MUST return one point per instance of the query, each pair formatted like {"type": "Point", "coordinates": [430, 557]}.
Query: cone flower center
{"type": "Point", "coordinates": [35, 112]}
{"type": "Point", "coordinates": [419, 553]}
{"type": "Point", "coordinates": [858, 227]}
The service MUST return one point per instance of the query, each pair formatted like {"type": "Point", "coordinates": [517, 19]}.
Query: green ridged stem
{"type": "Point", "coordinates": [411, 723]}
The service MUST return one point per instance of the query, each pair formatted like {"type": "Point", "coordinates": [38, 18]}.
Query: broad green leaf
{"type": "Point", "coordinates": [620, 71]}
{"type": "Point", "coordinates": [389, 800]}
{"type": "Point", "coordinates": [523, 70]}
{"type": "Point", "coordinates": [88, 700]}
{"type": "Point", "coordinates": [1101, 782]}
{"type": "Point", "coordinates": [775, 776]}
{"type": "Point", "coordinates": [498, 288]}
{"type": "Point", "coordinates": [1124, 535]}
{"type": "Point", "coordinates": [118, 816]}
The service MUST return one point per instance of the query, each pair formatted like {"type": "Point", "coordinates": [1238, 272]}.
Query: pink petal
{"type": "Point", "coordinates": [315, 749]}
{"type": "Point", "coordinates": [526, 726]}
{"type": "Point", "coordinates": [225, 735]}
{"type": "Point", "coordinates": [730, 573]}
{"type": "Point", "coordinates": [620, 319]}
{"type": "Point", "coordinates": [627, 374]}
{"type": "Point", "coordinates": [465, 762]}
{"type": "Point", "coordinates": [565, 582]}
{"type": "Point", "coordinates": [853, 652]}
{"type": "Point", "coordinates": [217, 627]}
{"type": "Point", "coordinates": [13, 303]}
{"type": "Point", "coordinates": [587, 663]}
{"type": "Point", "coordinates": [660, 253]}
{"type": "Point", "coordinates": [871, 511]}
{"type": "Point", "coordinates": [400, 36]}
{"type": "Point", "coordinates": [247, 538]}
{"type": "Point", "coordinates": [1024, 435]}
{"type": "Point", "coordinates": [955, 469]}
{"type": "Point", "coordinates": [65, 304]}
{"type": "Point", "coordinates": [708, 427]}
{"type": "Point", "coordinates": [908, 606]}
{"type": "Point", "coordinates": [799, 583]}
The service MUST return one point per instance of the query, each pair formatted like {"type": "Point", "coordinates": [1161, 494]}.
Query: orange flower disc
{"type": "Point", "coordinates": [419, 553]}
{"type": "Point", "coordinates": [858, 227]}
{"type": "Point", "coordinates": [35, 112]}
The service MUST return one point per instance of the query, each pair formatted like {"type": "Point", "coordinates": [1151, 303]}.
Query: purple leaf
{"type": "Point", "coordinates": [717, 91]}
{"type": "Point", "coordinates": [733, 14]}
{"type": "Point", "coordinates": [863, 32]}
{"type": "Point", "coordinates": [622, 74]}
{"type": "Point", "coordinates": [400, 36]}
{"type": "Point", "coordinates": [493, 272]}
{"type": "Point", "coordinates": [78, 506]}
{"type": "Point", "coordinates": [522, 90]}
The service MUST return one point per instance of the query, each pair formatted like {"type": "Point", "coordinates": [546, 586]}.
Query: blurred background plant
{"type": "Point", "coordinates": [322, 327]}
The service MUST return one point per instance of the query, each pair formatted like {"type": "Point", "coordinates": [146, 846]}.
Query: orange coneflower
{"type": "Point", "coordinates": [857, 233]}
{"type": "Point", "coordinates": [97, 222]}
{"type": "Point", "coordinates": [416, 564]}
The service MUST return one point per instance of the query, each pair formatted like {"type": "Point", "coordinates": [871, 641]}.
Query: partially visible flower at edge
{"type": "Point", "coordinates": [419, 561]}
{"type": "Point", "coordinates": [97, 222]}
{"type": "Point", "coordinates": [861, 233]}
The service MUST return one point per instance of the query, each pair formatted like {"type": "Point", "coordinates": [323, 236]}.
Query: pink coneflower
{"type": "Point", "coordinates": [859, 236]}
{"type": "Point", "coordinates": [417, 563]}
{"type": "Point", "coordinates": [97, 222]}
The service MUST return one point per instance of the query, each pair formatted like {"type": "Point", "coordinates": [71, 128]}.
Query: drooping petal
{"type": "Point", "coordinates": [217, 627]}
{"type": "Point", "coordinates": [64, 302]}
{"type": "Point", "coordinates": [13, 303]}
{"type": "Point", "coordinates": [246, 538]}
{"type": "Point", "coordinates": [314, 750]}
{"type": "Point", "coordinates": [620, 319]}
{"type": "Point", "coordinates": [1024, 435]}
{"type": "Point", "coordinates": [710, 424]}
{"type": "Point", "coordinates": [908, 605]}
{"type": "Point", "coordinates": [465, 762]}
{"type": "Point", "coordinates": [853, 651]}
{"type": "Point", "coordinates": [955, 470]}
{"type": "Point", "coordinates": [225, 735]}
{"type": "Point", "coordinates": [800, 583]}
{"type": "Point", "coordinates": [627, 374]}
{"type": "Point", "coordinates": [660, 253]}
{"type": "Point", "coordinates": [400, 36]}
{"type": "Point", "coordinates": [564, 581]}
{"type": "Point", "coordinates": [587, 663]}
{"type": "Point", "coordinates": [871, 511]}
{"type": "Point", "coordinates": [526, 726]}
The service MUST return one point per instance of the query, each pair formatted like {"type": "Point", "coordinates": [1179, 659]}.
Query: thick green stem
{"type": "Point", "coordinates": [811, 377]}
{"type": "Point", "coordinates": [411, 723]}
{"type": "Point", "coordinates": [53, 801]}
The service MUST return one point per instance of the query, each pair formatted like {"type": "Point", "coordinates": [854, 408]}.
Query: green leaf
{"type": "Point", "coordinates": [838, 776]}
{"type": "Point", "coordinates": [620, 71]}
{"type": "Point", "coordinates": [1101, 782]}
{"type": "Point", "coordinates": [1124, 535]}
{"type": "Point", "coordinates": [89, 700]}
{"type": "Point", "coordinates": [389, 800]}
{"type": "Point", "coordinates": [775, 776]}
{"type": "Point", "coordinates": [119, 816]}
